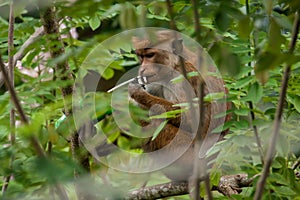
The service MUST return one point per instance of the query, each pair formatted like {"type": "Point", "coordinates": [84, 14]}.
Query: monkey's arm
{"type": "Point", "coordinates": [158, 105]}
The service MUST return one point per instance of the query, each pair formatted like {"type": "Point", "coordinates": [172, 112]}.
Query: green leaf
{"type": "Point", "coordinates": [223, 127]}
{"type": "Point", "coordinates": [223, 114]}
{"type": "Point", "coordinates": [215, 177]}
{"type": "Point", "coordinates": [284, 191]}
{"type": "Point", "coordinates": [180, 78]}
{"type": "Point", "coordinates": [245, 27]}
{"type": "Point", "coordinates": [283, 145]}
{"type": "Point", "coordinates": [94, 22]}
{"type": "Point", "coordinates": [222, 20]}
{"type": "Point", "coordinates": [3, 132]}
{"type": "Point", "coordinates": [60, 120]}
{"type": "Point", "coordinates": [158, 8]}
{"type": "Point", "coordinates": [108, 73]}
{"type": "Point", "coordinates": [243, 82]}
{"type": "Point", "coordinates": [123, 142]}
{"type": "Point", "coordinates": [283, 21]}
{"type": "Point", "coordinates": [159, 128]}
{"type": "Point", "coordinates": [111, 12]}
{"type": "Point", "coordinates": [255, 93]}
{"type": "Point", "coordinates": [213, 96]}
{"type": "Point", "coordinates": [276, 165]}
{"type": "Point", "coordinates": [242, 111]}
{"type": "Point", "coordinates": [169, 114]}
{"type": "Point", "coordinates": [113, 137]}
{"type": "Point", "coordinates": [275, 38]}
{"type": "Point", "coordinates": [295, 100]}
{"type": "Point", "coordinates": [242, 124]}
{"type": "Point", "coordinates": [231, 62]}
{"type": "Point", "coordinates": [268, 4]}
{"type": "Point", "coordinates": [128, 16]}
{"type": "Point", "coordinates": [296, 103]}
{"type": "Point", "coordinates": [267, 60]}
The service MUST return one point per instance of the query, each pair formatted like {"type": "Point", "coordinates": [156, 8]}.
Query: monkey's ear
{"type": "Point", "coordinates": [177, 46]}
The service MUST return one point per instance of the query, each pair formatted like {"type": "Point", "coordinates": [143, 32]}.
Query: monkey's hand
{"type": "Point", "coordinates": [149, 101]}
{"type": "Point", "coordinates": [135, 90]}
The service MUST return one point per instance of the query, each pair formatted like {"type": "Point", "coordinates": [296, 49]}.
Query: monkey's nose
{"type": "Point", "coordinates": [142, 72]}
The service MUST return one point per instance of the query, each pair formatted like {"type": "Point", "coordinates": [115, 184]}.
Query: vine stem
{"type": "Point", "coordinates": [271, 150]}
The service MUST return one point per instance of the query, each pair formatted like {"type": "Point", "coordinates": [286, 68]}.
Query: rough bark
{"type": "Point", "coordinates": [228, 185]}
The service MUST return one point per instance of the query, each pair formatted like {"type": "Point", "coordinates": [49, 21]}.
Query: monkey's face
{"type": "Point", "coordinates": [156, 65]}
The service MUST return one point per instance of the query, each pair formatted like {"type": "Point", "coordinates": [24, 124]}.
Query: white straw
{"type": "Point", "coordinates": [139, 78]}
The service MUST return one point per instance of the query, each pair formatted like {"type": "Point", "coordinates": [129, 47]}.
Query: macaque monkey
{"type": "Point", "coordinates": [160, 63]}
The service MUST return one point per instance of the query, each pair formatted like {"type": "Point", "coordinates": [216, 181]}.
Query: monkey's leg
{"type": "Point", "coordinates": [175, 146]}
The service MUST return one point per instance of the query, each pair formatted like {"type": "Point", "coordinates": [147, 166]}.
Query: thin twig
{"type": "Point", "coordinates": [35, 143]}
{"type": "Point", "coordinates": [250, 103]}
{"type": "Point", "coordinates": [11, 77]}
{"type": "Point", "coordinates": [11, 66]}
{"type": "Point", "coordinates": [296, 164]}
{"type": "Point", "coordinates": [181, 59]}
{"type": "Point", "coordinates": [200, 134]}
{"type": "Point", "coordinates": [258, 142]}
{"type": "Point", "coordinates": [199, 139]}
{"type": "Point", "coordinates": [271, 150]}
{"type": "Point", "coordinates": [6, 181]}
{"type": "Point", "coordinates": [12, 92]}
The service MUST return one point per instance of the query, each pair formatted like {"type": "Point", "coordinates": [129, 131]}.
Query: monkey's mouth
{"type": "Point", "coordinates": [158, 78]}
{"type": "Point", "coordinates": [146, 79]}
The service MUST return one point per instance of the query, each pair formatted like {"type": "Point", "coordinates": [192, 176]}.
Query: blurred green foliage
{"type": "Point", "coordinates": [248, 41]}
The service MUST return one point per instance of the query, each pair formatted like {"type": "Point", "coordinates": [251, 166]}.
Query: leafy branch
{"type": "Point", "coordinates": [23, 49]}
{"type": "Point", "coordinates": [51, 28]}
{"type": "Point", "coordinates": [271, 149]}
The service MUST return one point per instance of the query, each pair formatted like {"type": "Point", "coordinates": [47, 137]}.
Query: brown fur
{"type": "Point", "coordinates": [159, 65]}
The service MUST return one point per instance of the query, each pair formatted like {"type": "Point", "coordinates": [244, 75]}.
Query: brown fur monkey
{"type": "Point", "coordinates": [160, 65]}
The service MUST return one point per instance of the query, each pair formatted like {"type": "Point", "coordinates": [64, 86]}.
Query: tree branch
{"type": "Point", "coordinates": [35, 143]}
{"type": "Point", "coordinates": [23, 50]}
{"type": "Point", "coordinates": [159, 191]}
{"type": "Point", "coordinates": [51, 28]}
{"type": "Point", "coordinates": [228, 185]}
{"type": "Point", "coordinates": [271, 150]}
{"type": "Point", "coordinates": [171, 14]}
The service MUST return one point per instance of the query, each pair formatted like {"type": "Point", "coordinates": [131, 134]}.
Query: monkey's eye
{"type": "Point", "coordinates": [140, 58]}
{"type": "Point", "coordinates": [149, 55]}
